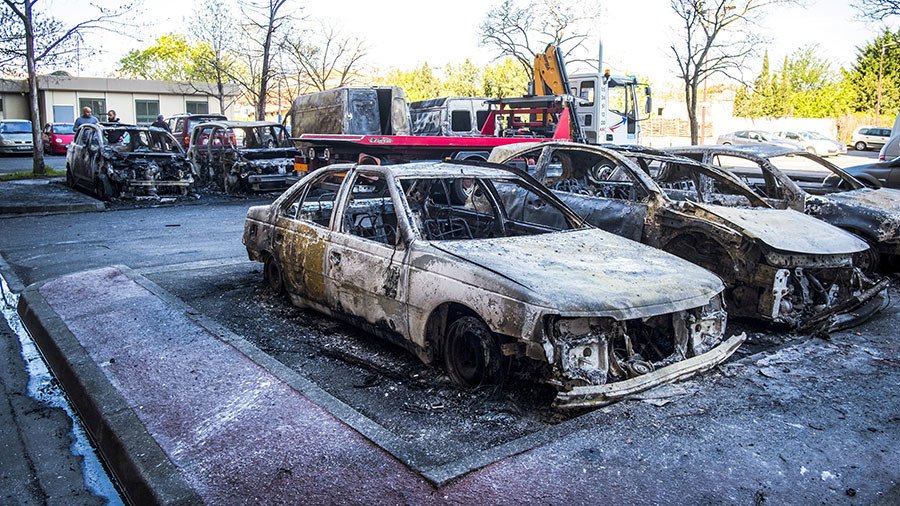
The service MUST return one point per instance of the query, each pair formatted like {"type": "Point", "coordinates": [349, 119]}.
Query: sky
{"type": "Point", "coordinates": [405, 33]}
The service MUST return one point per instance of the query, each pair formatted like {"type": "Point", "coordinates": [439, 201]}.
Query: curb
{"type": "Point", "coordinates": [144, 472]}
{"type": "Point", "coordinates": [87, 207]}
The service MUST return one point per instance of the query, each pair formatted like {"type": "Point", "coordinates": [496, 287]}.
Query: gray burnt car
{"type": "Point", "coordinates": [243, 156]}
{"type": "Point", "coordinates": [794, 179]}
{"type": "Point", "coordinates": [779, 265]}
{"type": "Point", "coordinates": [468, 284]}
{"type": "Point", "coordinates": [126, 160]}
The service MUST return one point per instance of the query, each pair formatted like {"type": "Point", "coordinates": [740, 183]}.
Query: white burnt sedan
{"type": "Point", "coordinates": [457, 280]}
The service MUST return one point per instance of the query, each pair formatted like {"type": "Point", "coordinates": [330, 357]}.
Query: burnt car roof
{"type": "Point", "coordinates": [760, 150]}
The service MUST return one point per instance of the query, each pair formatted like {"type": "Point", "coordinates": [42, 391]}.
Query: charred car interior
{"type": "Point", "coordinates": [240, 157]}
{"type": "Point", "coordinates": [396, 251]}
{"type": "Point", "coordinates": [127, 161]}
{"type": "Point", "coordinates": [779, 265]}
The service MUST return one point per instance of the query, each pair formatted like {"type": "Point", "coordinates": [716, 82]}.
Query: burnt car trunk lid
{"type": "Point", "coordinates": [883, 198]}
{"type": "Point", "coordinates": [591, 272]}
{"type": "Point", "coordinates": [787, 230]}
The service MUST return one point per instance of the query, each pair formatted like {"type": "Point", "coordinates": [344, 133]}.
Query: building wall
{"type": "Point", "coordinates": [15, 106]}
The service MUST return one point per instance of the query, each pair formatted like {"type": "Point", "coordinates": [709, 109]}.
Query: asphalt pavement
{"type": "Point", "coordinates": [23, 163]}
{"type": "Point", "coordinates": [790, 420]}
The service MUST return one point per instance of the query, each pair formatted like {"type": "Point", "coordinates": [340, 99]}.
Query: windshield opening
{"type": "Point", "coordinates": [445, 209]}
{"type": "Point", "coordinates": [141, 141]}
{"type": "Point", "coordinates": [814, 175]}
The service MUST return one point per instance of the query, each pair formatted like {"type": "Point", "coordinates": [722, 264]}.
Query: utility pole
{"type": "Point", "coordinates": [880, 73]}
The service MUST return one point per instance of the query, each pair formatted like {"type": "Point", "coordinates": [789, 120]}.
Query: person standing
{"type": "Point", "coordinates": [86, 118]}
{"type": "Point", "coordinates": [160, 123]}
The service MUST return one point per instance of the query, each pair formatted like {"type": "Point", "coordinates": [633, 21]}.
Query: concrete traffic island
{"type": "Point", "coordinates": [184, 411]}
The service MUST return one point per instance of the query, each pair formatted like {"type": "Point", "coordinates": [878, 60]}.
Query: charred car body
{"type": "Point", "coordinates": [239, 156]}
{"type": "Point", "coordinates": [780, 266]}
{"type": "Point", "coordinates": [127, 160]}
{"type": "Point", "coordinates": [464, 282]}
{"type": "Point", "coordinates": [794, 179]}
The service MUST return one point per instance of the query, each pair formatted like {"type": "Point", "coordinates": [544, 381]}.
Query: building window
{"type": "Point", "coordinates": [146, 111]}
{"type": "Point", "coordinates": [197, 107]}
{"type": "Point", "coordinates": [97, 105]}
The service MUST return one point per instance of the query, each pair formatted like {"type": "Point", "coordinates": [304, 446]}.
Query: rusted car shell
{"type": "Point", "coordinates": [517, 285]}
{"type": "Point", "coordinates": [762, 247]}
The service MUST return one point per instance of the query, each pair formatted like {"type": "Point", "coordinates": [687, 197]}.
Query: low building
{"type": "Point", "coordinates": [60, 98]}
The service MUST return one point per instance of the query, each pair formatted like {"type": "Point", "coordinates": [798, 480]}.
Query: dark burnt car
{"type": "Point", "coordinates": [127, 160]}
{"type": "Point", "coordinates": [780, 266]}
{"type": "Point", "coordinates": [243, 156]}
{"type": "Point", "coordinates": [181, 125]}
{"type": "Point", "coordinates": [878, 175]}
{"type": "Point", "coordinates": [792, 179]}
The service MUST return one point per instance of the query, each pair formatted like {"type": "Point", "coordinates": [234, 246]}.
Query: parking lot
{"type": "Point", "coordinates": [791, 419]}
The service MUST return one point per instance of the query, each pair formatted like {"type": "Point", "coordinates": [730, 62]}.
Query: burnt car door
{"type": "Point", "coordinates": [366, 273]}
{"type": "Point", "coordinates": [301, 230]}
{"type": "Point", "coordinates": [755, 174]}
{"type": "Point", "coordinates": [604, 193]}
{"type": "Point", "coordinates": [74, 158]}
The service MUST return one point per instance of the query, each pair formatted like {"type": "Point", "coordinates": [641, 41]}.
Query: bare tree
{"type": "Point", "coordinates": [213, 26]}
{"type": "Point", "coordinates": [523, 30]}
{"type": "Point", "coordinates": [717, 39]}
{"type": "Point", "coordinates": [263, 19]}
{"type": "Point", "coordinates": [878, 10]}
{"type": "Point", "coordinates": [33, 38]}
{"type": "Point", "coordinates": [323, 61]}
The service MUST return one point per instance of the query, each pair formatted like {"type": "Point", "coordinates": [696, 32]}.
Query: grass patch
{"type": "Point", "coordinates": [15, 176]}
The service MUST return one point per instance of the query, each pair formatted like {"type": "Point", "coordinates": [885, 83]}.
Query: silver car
{"type": "Point", "coordinates": [756, 137]}
{"type": "Point", "coordinates": [891, 149]}
{"type": "Point", "coordinates": [869, 137]}
{"type": "Point", "coordinates": [15, 136]}
{"type": "Point", "coordinates": [813, 142]}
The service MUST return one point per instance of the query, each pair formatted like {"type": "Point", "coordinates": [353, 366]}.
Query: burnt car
{"type": "Point", "coordinates": [779, 266]}
{"type": "Point", "coordinates": [794, 179]}
{"type": "Point", "coordinates": [127, 161]}
{"type": "Point", "coordinates": [181, 125]}
{"type": "Point", "coordinates": [243, 156]}
{"type": "Point", "coordinates": [466, 283]}
{"type": "Point", "coordinates": [877, 175]}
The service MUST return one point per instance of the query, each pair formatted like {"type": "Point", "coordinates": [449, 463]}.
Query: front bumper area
{"type": "Point", "coordinates": [600, 395]}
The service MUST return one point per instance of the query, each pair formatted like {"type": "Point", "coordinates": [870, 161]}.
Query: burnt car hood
{"type": "Point", "coordinates": [787, 231]}
{"type": "Point", "coordinates": [592, 272]}
{"type": "Point", "coordinates": [884, 199]}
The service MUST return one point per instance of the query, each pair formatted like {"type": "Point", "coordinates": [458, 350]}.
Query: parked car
{"type": "Point", "coordinates": [755, 137]}
{"type": "Point", "coordinates": [470, 284]}
{"type": "Point", "coordinates": [814, 142]}
{"type": "Point", "coordinates": [15, 136]}
{"type": "Point", "coordinates": [869, 137]}
{"type": "Point", "coordinates": [243, 156]}
{"type": "Point", "coordinates": [891, 149]}
{"type": "Point", "coordinates": [877, 175]}
{"type": "Point", "coordinates": [127, 160]}
{"type": "Point", "coordinates": [56, 137]}
{"type": "Point", "coordinates": [183, 124]}
{"type": "Point", "coordinates": [768, 258]}
{"type": "Point", "coordinates": [807, 183]}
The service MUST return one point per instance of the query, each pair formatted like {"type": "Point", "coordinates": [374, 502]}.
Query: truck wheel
{"type": "Point", "coordinates": [471, 353]}
{"type": "Point", "coordinates": [273, 276]}
{"type": "Point", "coordinates": [860, 146]}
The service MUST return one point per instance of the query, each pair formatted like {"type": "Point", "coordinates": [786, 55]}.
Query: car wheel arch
{"type": "Point", "coordinates": [439, 320]}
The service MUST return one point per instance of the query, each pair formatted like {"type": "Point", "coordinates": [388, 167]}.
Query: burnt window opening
{"type": "Point", "coordinates": [315, 203]}
{"type": "Point", "coordinates": [370, 212]}
{"type": "Point", "coordinates": [460, 121]}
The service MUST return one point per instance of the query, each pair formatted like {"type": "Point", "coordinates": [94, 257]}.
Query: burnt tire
{"type": "Point", "coordinates": [460, 190]}
{"type": "Point", "coordinates": [104, 188]}
{"type": "Point", "coordinates": [273, 275]}
{"type": "Point", "coordinates": [471, 353]}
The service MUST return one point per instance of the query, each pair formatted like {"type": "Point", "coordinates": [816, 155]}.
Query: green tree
{"type": "Point", "coordinates": [419, 83]}
{"type": "Point", "coordinates": [505, 78]}
{"type": "Point", "coordinates": [171, 58]}
{"type": "Point", "coordinates": [863, 75]}
{"type": "Point", "coordinates": [463, 80]}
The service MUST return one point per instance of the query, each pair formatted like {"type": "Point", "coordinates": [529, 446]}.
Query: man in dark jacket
{"type": "Point", "coordinates": [160, 123]}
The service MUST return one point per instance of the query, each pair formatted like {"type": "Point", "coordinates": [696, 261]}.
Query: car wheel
{"type": "Point", "coordinates": [460, 190]}
{"type": "Point", "coordinates": [273, 276]}
{"type": "Point", "coordinates": [471, 353]}
{"type": "Point", "coordinates": [104, 189]}
{"type": "Point", "coordinates": [860, 146]}
{"type": "Point", "coordinates": [868, 261]}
